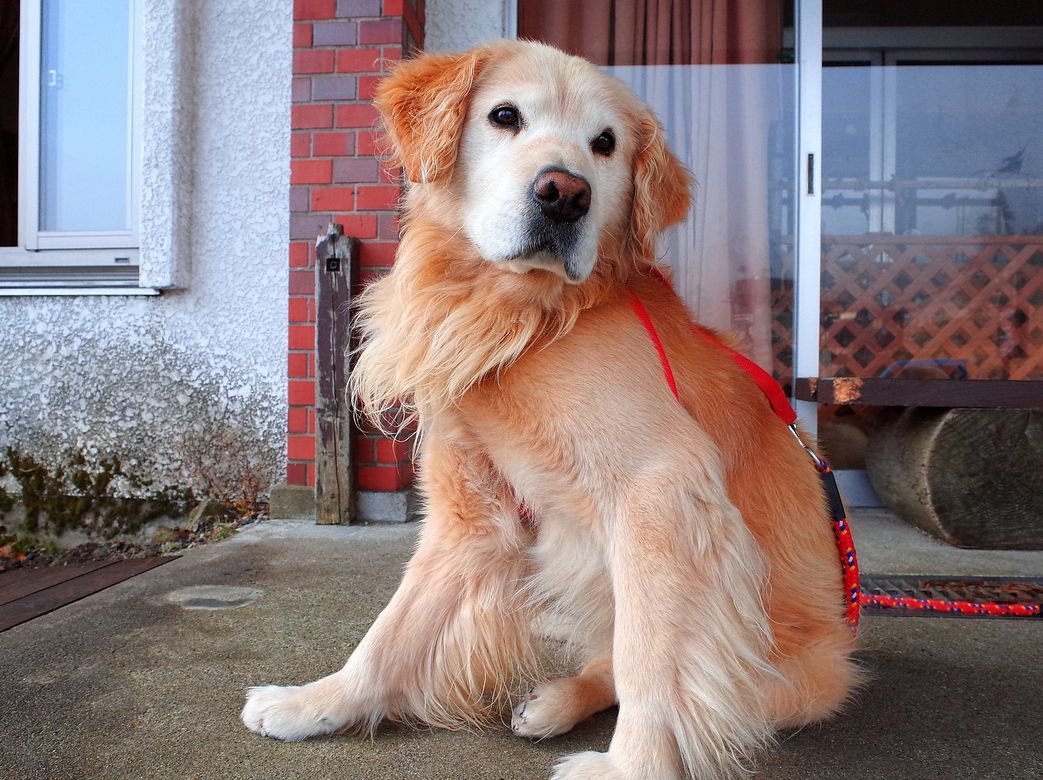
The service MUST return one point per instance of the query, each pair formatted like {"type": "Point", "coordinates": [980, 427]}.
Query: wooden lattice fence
{"type": "Point", "coordinates": [970, 306]}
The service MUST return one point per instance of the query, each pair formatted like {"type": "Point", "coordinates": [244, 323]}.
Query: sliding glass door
{"type": "Point", "coordinates": [724, 84]}
{"type": "Point", "coordinates": [932, 204]}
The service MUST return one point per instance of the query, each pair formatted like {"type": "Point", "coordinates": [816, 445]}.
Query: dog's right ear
{"type": "Point", "coordinates": [424, 104]}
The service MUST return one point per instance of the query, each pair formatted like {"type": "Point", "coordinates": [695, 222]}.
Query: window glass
{"type": "Point", "coordinates": [9, 124]}
{"type": "Point", "coordinates": [932, 218]}
{"type": "Point", "coordinates": [932, 204]}
{"type": "Point", "coordinates": [84, 110]}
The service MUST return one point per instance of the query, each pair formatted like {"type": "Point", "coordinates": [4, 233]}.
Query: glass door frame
{"type": "Point", "coordinates": [807, 282]}
{"type": "Point", "coordinates": [807, 271]}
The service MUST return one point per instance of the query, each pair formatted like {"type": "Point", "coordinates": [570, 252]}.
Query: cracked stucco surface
{"type": "Point", "coordinates": [455, 25]}
{"type": "Point", "coordinates": [193, 381]}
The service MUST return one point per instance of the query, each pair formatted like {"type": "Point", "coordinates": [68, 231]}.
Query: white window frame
{"type": "Point", "coordinates": [75, 261]}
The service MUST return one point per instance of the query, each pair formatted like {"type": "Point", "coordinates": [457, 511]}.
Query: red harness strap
{"type": "Point", "coordinates": [781, 406]}
{"type": "Point", "coordinates": [776, 398]}
{"type": "Point", "coordinates": [642, 314]}
{"type": "Point", "coordinates": [772, 390]}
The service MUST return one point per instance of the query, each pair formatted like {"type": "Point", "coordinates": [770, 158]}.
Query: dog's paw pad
{"type": "Point", "coordinates": [546, 711]}
{"type": "Point", "coordinates": [586, 766]}
{"type": "Point", "coordinates": [283, 713]}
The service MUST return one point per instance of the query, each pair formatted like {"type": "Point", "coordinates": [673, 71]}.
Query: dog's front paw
{"type": "Point", "coordinates": [286, 713]}
{"type": "Point", "coordinates": [587, 766]}
{"type": "Point", "coordinates": [547, 711]}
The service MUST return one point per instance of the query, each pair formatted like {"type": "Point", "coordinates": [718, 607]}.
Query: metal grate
{"type": "Point", "coordinates": [979, 590]}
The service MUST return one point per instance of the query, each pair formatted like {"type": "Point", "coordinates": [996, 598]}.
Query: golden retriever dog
{"type": "Point", "coordinates": [682, 547]}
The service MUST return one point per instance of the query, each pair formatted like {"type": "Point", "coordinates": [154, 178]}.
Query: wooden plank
{"type": "Point", "coordinates": [950, 394]}
{"type": "Point", "coordinates": [32, 580]}
{"type": "Point", "coordinates": [49, 599]}
{"type": "Point", "coordinates": [12, 576]}
{"type": "Point", "coordinates": [333, 479]}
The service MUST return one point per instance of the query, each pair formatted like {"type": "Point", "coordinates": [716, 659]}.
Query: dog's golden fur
{"type": "Point", "coordinates": [686, 545]}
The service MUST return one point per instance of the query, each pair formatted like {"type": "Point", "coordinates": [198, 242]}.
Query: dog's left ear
{"type": "Point", "coordinates": [423, 104]}
{"type": "Point", "coordinates": [661, 189]}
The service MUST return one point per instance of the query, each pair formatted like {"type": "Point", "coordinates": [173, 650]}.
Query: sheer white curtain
{"type": "Point", "coordinates": [718, 119]}
{"type": "Point", "coordinates": [709, 69]}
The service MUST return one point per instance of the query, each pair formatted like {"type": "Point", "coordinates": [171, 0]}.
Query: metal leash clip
{"type": "Point", "coordinates": [820, 464]}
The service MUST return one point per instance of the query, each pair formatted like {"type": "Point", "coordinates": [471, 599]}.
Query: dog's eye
{"type": "Point", "coordinates": [505, 116]}
{"type": "Point", "coordinates": [604, 144]}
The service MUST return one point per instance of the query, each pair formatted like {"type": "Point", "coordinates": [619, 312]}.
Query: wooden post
{"type": "Point", "coordinates": [334, 491]}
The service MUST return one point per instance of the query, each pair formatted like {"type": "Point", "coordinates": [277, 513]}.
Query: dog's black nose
{"type": "Point", "coordinates": [562, 196]}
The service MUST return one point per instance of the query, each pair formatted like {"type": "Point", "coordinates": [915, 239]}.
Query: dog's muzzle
{"type": "Point", "coordinates": [555, 227]}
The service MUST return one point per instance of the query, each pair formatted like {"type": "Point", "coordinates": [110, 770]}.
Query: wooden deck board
{"type": "Point", "coordinates": [24, 582]}
{"type": "Point", "coordinates": [970, 393]}
{"type": "Point", "coordinates": [50, 598]}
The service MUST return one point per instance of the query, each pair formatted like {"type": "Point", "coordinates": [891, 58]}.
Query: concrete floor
{"type": "Point", "coordinates": [126, 684]}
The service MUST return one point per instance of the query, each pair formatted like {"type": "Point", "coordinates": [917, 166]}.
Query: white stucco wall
{"type": "Point", "coordinates": [191, 382]}
{"type": "Point", "coordinates": [455, 25]}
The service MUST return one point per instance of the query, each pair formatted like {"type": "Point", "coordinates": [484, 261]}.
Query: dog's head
{"type": "Point", "coordinates": [543, 160]}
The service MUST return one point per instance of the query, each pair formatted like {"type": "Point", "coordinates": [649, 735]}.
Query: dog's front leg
{"type": "Point", "coordinates": [691, 635]}
{"type": "Point", "coordinates": [453, 635]}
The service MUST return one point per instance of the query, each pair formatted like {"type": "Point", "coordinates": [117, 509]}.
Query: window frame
{"type": "Point", "coordinates": [71, 259]}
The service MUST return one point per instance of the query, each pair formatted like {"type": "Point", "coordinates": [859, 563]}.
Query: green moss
{"type": "Point", "coordinates": [80, 494]}
{"type": "Point", "coordinates": [6, 499]}
{"type": "Point", "coordinates": [224, 530]}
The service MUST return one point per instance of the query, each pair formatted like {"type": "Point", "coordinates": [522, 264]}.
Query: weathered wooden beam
{"type": "Point", "coordinates": [968, 476]}
{"type": "Point", "coordinates": [334, 491]}
{"type": "Point", "coordinates": [944, 393]}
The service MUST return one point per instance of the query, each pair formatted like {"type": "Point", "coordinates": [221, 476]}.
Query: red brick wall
{"type": "Point", "coordinates": [341, 48]}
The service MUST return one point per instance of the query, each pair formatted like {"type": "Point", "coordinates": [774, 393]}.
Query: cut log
{"type": "Point", "coordinates": [973, 477]}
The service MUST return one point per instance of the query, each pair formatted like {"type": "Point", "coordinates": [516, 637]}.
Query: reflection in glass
{"type": "Point", "coordinates": [932, 221]}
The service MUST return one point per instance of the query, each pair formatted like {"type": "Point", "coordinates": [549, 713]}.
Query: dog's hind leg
{"type": "Point", "coordinates": [455, 633]}
{"type": "Point", "coordinates": [691, 636]}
